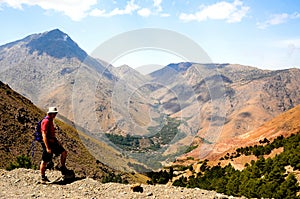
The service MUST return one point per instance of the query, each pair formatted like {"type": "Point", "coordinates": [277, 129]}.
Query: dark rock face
{"type": "Point", "coordinates": [56, 44]}
{"type": "Point", "coordinates": [282, 90]}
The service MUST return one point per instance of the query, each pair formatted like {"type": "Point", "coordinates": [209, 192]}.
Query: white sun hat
{"type": "Point", "coordinates": [52, 110]}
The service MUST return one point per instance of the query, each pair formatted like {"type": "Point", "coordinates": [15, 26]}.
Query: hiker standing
{"type": "Point", "coordinates": [51, 145]}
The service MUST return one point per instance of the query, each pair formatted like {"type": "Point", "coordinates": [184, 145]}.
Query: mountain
{"type": "Point", "coordinates": [223, 101]}
{"type": "Point", "coordinates": [181, 107]}
{"type": "Point", "coordinates": [56, 44]}
{"type": "Point", "coordinates": [43, 67]}
{"type": "Point", "coordinates": [130, 101]}
{"type": "Point", "coordinates": [285, 124]}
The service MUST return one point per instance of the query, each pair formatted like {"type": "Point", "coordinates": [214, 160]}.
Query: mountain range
{"type": "Point", "coordinates": [181, 107]}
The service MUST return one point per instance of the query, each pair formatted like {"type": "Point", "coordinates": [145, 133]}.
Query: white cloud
{"type": "Point", "coordinates": [75, 9]}
{"type": "Point", "coordinates": [165, 15]}
{"type": "Point", "coordinates": [231, 12]}
{"type": "Point", "coordinates": [157, 5]}
{"type": "Point", "coordinates": [156, 10]}
{"type": "Point", "coordinates": [295, 15]}
{"type": "Point", "coordinates": [78, 9]}
{"type": "Point", "coordinates": [97, 12]}
{"type": "Point", "coordinates": [144, 12]}
{"type": "Point", "coordinates": [129, 9]}
{"type": "Point", "coordinates": [278, 19]}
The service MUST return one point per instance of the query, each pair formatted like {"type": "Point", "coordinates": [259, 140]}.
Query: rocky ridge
{"type": "Point", "coordinates": [23, 183]}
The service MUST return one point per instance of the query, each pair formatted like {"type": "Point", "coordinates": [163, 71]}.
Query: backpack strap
{"type": "Point", "coordinates": [32, 147]}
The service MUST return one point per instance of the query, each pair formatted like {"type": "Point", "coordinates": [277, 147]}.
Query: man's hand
{"type": "Point", "coordinates": [48, 150]}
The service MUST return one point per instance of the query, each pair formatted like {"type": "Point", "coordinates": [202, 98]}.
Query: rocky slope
{"type": "Point", "coordinates": [285, 125]}
{"type": "Point", "coordinates": [223, 101]}
{"type": "Point", "coordinates": [23, 183]}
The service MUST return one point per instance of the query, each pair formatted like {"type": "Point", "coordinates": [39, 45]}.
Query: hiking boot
{"type": "Point", "coordinates": [65, 171]}
{"type": "Point", "coordinates": [45, 180]}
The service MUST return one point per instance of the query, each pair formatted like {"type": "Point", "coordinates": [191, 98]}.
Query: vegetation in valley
{"type": "Point", "coordinates": [163, 136]}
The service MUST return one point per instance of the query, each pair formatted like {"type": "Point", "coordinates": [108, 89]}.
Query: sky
{"type": "Point", "coordinates": [259, 33]}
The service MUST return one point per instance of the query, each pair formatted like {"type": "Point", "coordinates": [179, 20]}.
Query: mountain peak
{"type": "Point", "coordinates": [180, 67]}
{"type": "Point", "coordinates": [56, 44]}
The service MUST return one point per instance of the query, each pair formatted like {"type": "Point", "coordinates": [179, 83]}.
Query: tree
{"type": "Point", "coordinates": [22, 161]}
{"type": "Point", "coordinates": [171, 173]}
{"type": "Point", "coordinates": [232, 187]}
{"type": "Point", "coordinates": [289, 187]}
{"type": "Point", "coordinates": [268, 189]}
{"type": "Point", "coordinates": [181, 182]}
{"type": "Point", "coordinates": [249, 188]}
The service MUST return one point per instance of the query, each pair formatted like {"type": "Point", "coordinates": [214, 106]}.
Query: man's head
{"type": "Point", "coordinates": [52, 112]}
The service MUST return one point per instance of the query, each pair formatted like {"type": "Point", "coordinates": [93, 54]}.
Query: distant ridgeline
{"type": "Point", "coordinates": [264, 178]}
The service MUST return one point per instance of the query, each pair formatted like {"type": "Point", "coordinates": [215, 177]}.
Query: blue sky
{"type": "Point", "coordinates": [260, 33]}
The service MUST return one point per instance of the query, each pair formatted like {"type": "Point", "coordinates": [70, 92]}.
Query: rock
{"type": "Point", "coordinates": [137, 188]}
{"type": "Point", "coordinates": [149, 194]}
{"type": "Point", "coordinates": [220, 196]}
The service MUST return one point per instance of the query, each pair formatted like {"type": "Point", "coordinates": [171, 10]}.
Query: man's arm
{"type": "Point", "coordinates": [45, 140]}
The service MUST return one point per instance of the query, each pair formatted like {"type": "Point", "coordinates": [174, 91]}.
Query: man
{"type": "Point", "coordinates": [51, 145]}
